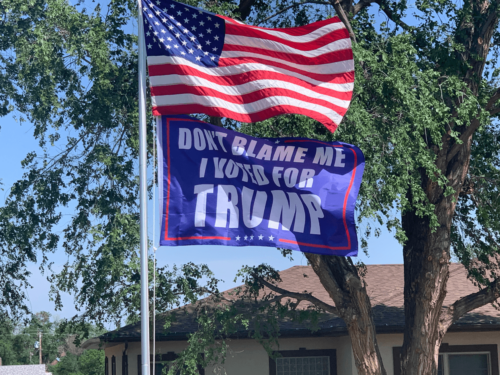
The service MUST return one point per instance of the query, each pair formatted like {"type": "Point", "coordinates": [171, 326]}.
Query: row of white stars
{"type": "Point", "coordinates": [261, 237]}
{"type": "Point", "coordinates": [179, 13]}
{"type": "Point", "coordinates": [178, 35]}
{"type": "Point", "coordinates": [186, 20]}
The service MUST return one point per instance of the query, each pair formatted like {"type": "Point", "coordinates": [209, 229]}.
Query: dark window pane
{"type": "Point", "coordinates": [440, 365]}
{"type": "Point", "coordinates": [303, 366]}
{"type": "Point", "coordinates": [468, 364]}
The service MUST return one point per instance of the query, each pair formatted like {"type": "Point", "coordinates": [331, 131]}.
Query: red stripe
{"type": "Point", "coordinates": [326, 58]}
{"type": "Point", "coordinates": [252, 117]}
{"type": "Point", "coordinates": [246, 98]}
{"type": "Point", "coordinates": [168, 173]}
{"type": "Point", "coordinates": [242, 78]}
{"type": "Point", "coordinates": [316, 245]}
{"type": "Point", "coordinates": [340, 78]}
{"type": "Point", "coordinates": [347, 194]}
{"type": "Point", "coordinates": [168, 179]}
{"type": "Point", "coordinates": [293, 31]}
{"type": "Point", "coordinates": [309, 46]}
{"type": "Point", "coordinates": [197, 238]}
{"type": "Point", "coordinates": [165, 69]}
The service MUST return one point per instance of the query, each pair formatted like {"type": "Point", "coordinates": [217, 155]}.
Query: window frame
{"type": "Point", "coordinates": [124, 364]}
{"type": "Point", "coordinates": [159, 358]}
{"type": "Point", "coordinates": [332, 353]}
{"type": "Point", "coordinates": [490, 349]}
{"type": "Point", "coordinates": [106, 365]}
{"type": "Point", "coordinates": [113, 365]}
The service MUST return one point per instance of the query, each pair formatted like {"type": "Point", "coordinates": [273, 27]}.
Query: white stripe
{"type": "Point", "coordinates": [332, 68]}
{"type": "Point", "coordinates": [233, 21]}
{"type": "Point", "coordinates": [345, 66]}
{"type": "Point", "coordinates": [246, 88]}
{"type": "Point", "coordinates": [258, 106]}
{"type": "Point", "coordinates": [313, 35]}
{"type": "Point", "coordinates": [270, 45]}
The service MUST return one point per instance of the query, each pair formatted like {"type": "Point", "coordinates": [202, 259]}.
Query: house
{"type": "Point", "coordinates": [24, 370]}
{"type": "Point", "coordinates": [469, 348]}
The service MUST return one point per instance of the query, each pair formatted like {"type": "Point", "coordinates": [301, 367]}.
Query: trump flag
{"type": "Point", "coordinates": [221, 187]}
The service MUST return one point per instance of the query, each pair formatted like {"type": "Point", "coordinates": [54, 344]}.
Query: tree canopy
{"type": "Point", "coordinates": [424, 112]}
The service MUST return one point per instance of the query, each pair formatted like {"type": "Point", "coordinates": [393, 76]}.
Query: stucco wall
{"type": "Point", "coordinates": [247, 357]}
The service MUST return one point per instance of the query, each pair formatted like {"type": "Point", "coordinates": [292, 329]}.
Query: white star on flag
{"type": "Point", "coordinates": [261, 237]}
{"type": "Point", "coordinates": [237, 238]}
{"type": "Point", "coordinates": [246, 238]}
{"type": "Point", "coordinates": [271, 237]}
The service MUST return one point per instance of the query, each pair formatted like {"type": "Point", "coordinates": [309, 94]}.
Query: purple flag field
{"type": "Point", "coordinates": [221, 187]}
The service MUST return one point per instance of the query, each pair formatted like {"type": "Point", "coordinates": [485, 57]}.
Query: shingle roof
{"type": "Point", "coordinates": [385, 289]}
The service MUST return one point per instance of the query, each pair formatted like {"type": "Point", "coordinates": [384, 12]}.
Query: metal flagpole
{"type": "Point", "coordinates": [143, 198]}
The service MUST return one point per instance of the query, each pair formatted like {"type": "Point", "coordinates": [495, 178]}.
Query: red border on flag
{"type": "Point", "coordinates": [348, 247]}
{"type": "Point", "coordinates": [168, 194]}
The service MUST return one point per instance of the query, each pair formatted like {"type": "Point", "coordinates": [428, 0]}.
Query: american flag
{"type": "Point", "coordinates": [200, 62]}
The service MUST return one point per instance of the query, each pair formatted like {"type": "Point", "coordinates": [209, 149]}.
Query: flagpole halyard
{"type": "Point", "coordinates": [143, 197]}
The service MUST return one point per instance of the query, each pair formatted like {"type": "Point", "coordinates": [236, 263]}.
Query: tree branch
{"type": "Point", "coordinates": [293, 5]}
{"type": "Point", "coordinates": [491, 103]}
{"type": "Point", "coordinates": [245, 8]}
{"type": "Point", "coordinates": [343, 17]}
{"type": "Point", "coordinates": [362, 5]}
{"type": "Point", "coordinates": [465, 135]}
{"type": "Point", "coordinates": [469, 303]}
{"type": "Point", "coordinates": [298, 296]}
{"type": "Point", "coordinates": [384, 6]}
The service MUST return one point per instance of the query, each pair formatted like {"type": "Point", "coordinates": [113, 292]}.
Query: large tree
{"type": "Point", "coordinates": [424, 111]}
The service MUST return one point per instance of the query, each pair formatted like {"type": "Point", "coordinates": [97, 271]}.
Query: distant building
{"type": "Point", "coordinates": [24, 370]}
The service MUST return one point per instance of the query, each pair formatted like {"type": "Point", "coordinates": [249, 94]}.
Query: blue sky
{"type": "Point", "coordinates": [16, 141]}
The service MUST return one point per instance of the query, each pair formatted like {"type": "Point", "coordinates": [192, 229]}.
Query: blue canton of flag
{"type": "Point", "coordinates": [183, 31]}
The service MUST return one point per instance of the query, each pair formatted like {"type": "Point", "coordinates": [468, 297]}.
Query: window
{"type": "Point", "coordinates": [106, 371]}
{"type": "Point", "coordinates": [161, 362]}
{"type": "Point", "coordinates": [124, 364]}
{"type": "Point", "coordinates": [113, 365]}
{"type": "Point", "coordinates": [462, 360]}
{"type": "Point", "coordinates": [464, 364]}
{"type": "Point", "coordinates": [304, 362]}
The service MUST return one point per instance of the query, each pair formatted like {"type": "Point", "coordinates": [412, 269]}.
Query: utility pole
{"type": "Point", "coordinates": [40, 350]}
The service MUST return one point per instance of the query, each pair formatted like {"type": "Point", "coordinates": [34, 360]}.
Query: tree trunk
{"type": "Point", "coordinates": [426, 266]}
{"type": "Point", "coordinates": [340, 278]}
